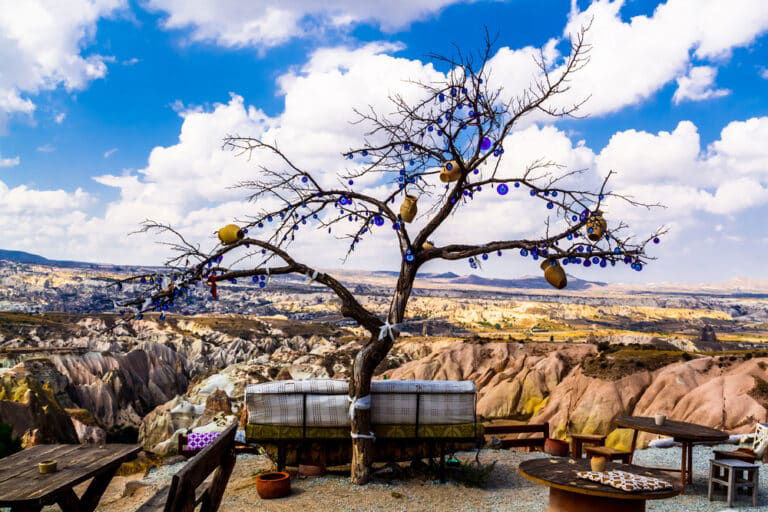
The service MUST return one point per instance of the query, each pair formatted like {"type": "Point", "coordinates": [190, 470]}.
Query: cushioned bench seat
{"type": "Point", "coordinates": [255, 433]}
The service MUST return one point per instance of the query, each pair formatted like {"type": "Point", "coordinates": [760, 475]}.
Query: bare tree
{"type": "Point", "coordinates": [455, 132]}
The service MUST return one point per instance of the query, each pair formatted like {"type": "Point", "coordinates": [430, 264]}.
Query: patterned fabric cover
{"type": "Point", "coordinates": [624, 481]}
{"type": "Point", "coordinates": [199, 440]}
{"type": "Point", "coordinates": [393, 402]}
{"type": "Point", "coordinates": [280, 432]}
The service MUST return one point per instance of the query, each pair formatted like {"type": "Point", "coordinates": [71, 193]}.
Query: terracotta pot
{"type": "Point", "coordinates": [275, 484]}
{"type": "Point", "coordinates": [408, 208]}
{"type": "Point", "coordinates": [312, 469]}
{"type": "Point", "coordinates": [596, 226]}
{"type": "Point", "coordinates": [554, 274]}
{"type": "Point", "coordinates": [450, 172]}
{"type": "Point", "coordinates": [598, 464]}
{"type": "Point", "coordinates": [427, 245]}
{"type": "Point", "coordinates": [230, 234]}
{"type": "Point", "coordinates": [556, 447]}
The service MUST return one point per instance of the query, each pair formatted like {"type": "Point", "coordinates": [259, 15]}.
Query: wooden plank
{"type": "Point", "coordinates": [75, 466]}
{"type": "Point", "coordinates": [677, 429]}
{"type": "Point", "coordinates": [26, 460]}
{"type": "Point", "coordinates": [560, 474]}
{"type": "Point", "coordinates": [209, 458]}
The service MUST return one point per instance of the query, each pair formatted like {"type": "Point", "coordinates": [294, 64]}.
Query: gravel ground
{"type": "Point", "coordinates": [507, 491]}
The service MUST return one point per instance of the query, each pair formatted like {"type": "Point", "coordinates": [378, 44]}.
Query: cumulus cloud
{"type": "Point", "coordinates": [41, 48]}
{"type": "Point", "coordinates": [697, 85]}
{"type": "Point", "coordinates": [9, 162]}
{"type": "Point", "coordinates": [269, 23]}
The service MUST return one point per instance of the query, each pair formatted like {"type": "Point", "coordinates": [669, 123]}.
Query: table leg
{"type": "Point", "coordinates": [564, 501]}
{"type": "Point", "coordinates": [577, 448]}
{"type": "Point", "coordinates": [26, 508]}
{"type": "Point", "coordinates": [69, 502]}
{"type": "Point", "coordinates": [684, 466]}
{"type": "Point", "coordinates": [690, 463]}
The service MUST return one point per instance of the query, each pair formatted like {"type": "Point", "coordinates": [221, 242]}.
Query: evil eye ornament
{"type": "Point", "coordinates": [502, 189]}
{"type": "Point", "coordinates": [344, 200]}
{"type": "Point", "coordinates": [378, 220]}
{"type": "Point", "coordinates": [485, 144]}
{"type": "Point", "coordinates": [304, 179]}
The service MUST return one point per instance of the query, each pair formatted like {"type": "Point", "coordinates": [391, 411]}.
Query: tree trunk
{"type": "Point", "coordinates": [366, 361]}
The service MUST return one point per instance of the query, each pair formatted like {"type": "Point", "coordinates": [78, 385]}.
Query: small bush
{"type": "Point", "coordinates": [8, 445]}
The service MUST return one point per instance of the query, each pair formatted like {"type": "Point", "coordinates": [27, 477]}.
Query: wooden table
{"type": "Point", "coordinates": [685, 433]}
{"type": "Point", "coordinates": [23, 488]}
{"type": "Point", "coordinates": [569, 493]}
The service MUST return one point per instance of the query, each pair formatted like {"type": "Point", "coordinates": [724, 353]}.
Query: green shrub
{"type": "Point", "coordinates": [8, 444]}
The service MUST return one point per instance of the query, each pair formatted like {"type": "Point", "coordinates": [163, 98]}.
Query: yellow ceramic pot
{"type": "Point", "coordinates": [230, 234]}
{"type": "Point", "coordinates": [596, 226]}
{"type": "Point", "coordinates": [408, 208]}
{"type": "Point", "coordinates": [427, 245]}
{"type": "Point", "coordinates": [450, 172]}
{"type": "Point", "coordinates": [597, 464]}
{"type": "Point", "coordinates": [554, 274]}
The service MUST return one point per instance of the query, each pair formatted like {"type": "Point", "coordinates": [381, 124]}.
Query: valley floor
{"type": "Point", "coordinates": [507, 491]}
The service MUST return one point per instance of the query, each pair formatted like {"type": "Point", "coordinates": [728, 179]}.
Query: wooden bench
{"type": "Point", "coordinates": [505, 431]}
{"type": "Point", "coordinates": [190, 487]}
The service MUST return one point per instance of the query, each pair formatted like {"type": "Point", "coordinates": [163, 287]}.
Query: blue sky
{"type": "Point", "coordinates": [128, 78]}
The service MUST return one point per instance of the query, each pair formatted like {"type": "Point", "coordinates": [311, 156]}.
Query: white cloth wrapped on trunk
{"type": "Point", "coordinates": [394, 402]}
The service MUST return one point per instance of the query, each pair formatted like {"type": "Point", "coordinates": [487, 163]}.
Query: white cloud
{"type": "Point", "coordinates": [108, 153]}
{"type": "Point", "coordinates": [630, 61]}
{"type": "Point", "coordinates": [41, 48]}
{"type": "Point", "coordinates": [268, 23]}
{"type": "Point", "coordinates": [9, 162]}
{"type": "Point", "coordinates": [59, 118]}
{"type": "Point", "coordinates": [46, 148]}
{"type": "Point", "coordinates": [764, 73]}
{"type": "Point", "coordinates": [697, 85]}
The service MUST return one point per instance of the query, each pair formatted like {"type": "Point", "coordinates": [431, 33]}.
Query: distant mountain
{"type": "Point", "coordinates": [36, 259]}
{"type": "Point", "coordinates": [421, 275]}
{"type": "Point", "coordinates": [529, 282]}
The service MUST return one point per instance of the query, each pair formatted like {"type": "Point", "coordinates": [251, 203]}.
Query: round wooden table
{"type": "Point", "coordinates": [685, 433]}
{"type": "Point", "coordinates": [569, 493]}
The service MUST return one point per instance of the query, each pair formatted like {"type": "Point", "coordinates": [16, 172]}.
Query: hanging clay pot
{"type": "Point", "coordinates": [596, 226]}
{"type": "Point", "coordinates": [556, 447]}
{"type": "Point", "coordinates": [427, 245]}
{"type": "Point", "coordinates": [450, 172]}
{"type": "Point", "coordinates": [230, 234]}
{"type": "Point", "coordinates": [408, 208]}
{"type": "Point", "coordinates": [554, 274]}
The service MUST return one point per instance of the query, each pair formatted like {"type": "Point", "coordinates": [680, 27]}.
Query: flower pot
{"type": "Point", "coordinates": [556, 447]}
{"type": "Point", "coordinates": [312, 469]}
{"type": "Point", "coordinates": [408, 208]}
{"type": "Point", "coordinates": [659, 419]}
{"type": "Point", "coordinates": [554, 274]}
{"type": "Point", "coordinates": [47, 466]}
{"type": "Point", "coordinates": [596, 226]}
{"type": "Point", "coordinates": [275, 484]}
{"type": "Point", "coordinates": [597, 464]}
{"type": "Point", "coordinates": [230, 234]}
{"type": "Point", "coordinates": [450, 172]}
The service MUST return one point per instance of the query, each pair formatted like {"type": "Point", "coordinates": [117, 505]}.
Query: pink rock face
{"type": "Point", "coordinates": [545, 383]}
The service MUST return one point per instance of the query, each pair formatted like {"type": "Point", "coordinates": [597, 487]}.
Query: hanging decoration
{"type": "Point", "coordinates": [450, 172]}
{"type": "Point", "coordinates": [596, 226]}
{"type": "Point", "coordinates": [554, 274]}
{"type": "Point", "coordinates": [408, 209]}
{"type": "Point", "coordinates": [230, 234]}
{"type": "Point", "coordinates": [427, 245]}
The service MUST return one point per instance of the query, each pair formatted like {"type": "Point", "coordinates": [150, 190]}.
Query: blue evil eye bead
{"type": "Point", "coordinates": [485, 256]}
{"type": "Point", "coordinates": [656, 240]}
{"type": "Point", "coordinates": [344, 200]}
{"type": "Point", "coordinates": [587, 263]}
{"type": "Point", "coordinates": [627, 259]}
{"type": "Point", "coordinates": [517, 184]}
{"type": "Point", "coordinates": [554, 193]}
{"type": "Point", "coordinates": [566, 261]}
{"type": "Point", "coordinates": [441, 97]}
{"type": "Point", "coordinates": [534, 252]}
{"type": "Point", "coordinates": [523, 252]}
{"type": "Point", "coordinates": [485, 143]}
{"type": "Point", "coordinates": [409, 257]}
{"type": "Point", "coordinates": [603, 263]}
{"type": "Point", "coordinates": [471, 113]}
{"type": "Point", "coordinates": [255, 279]}
{"type": "Point", "coordinates": [617, 251]}
{"type": "Point", "coordinates": [453, 91]}
{"type": "Point", "coordinates": [261, 225]}
{"type": "Point", "coordinates": [476, 171]}
{"type": "Point", "coordinates": [595, 260]}
{"type": "Point", "coordinates": [406, 146]}
{"type": "Point", "coordinates": [601, 196]}
{"type": "Point", "coordinates": [350, 156]}
{"type": "Point", "coordinates": [502, 189]}
{"type": "Point", "coordinates": [498, 253]}
{"type": "Point", "coordinates": [550, 205]}
{"type": "Point", "coordinates": [430, 128]}
{"type": "Point", "coordinates": [580, 248]}
{"type": "Point", "coordinates": [569, 237]}
{"type": "Point", "coordinates": [304, 179]}
{"type": "Point", "coordinates": [262, 284]}
{"type": "Point", "coordinates": [351, 182]}
{"type": "Point", "coordinates": [378, 220]}
{"type": "Point", "coordinates": [396, 226]}
{"type": "Point", "coordinates": [574, 218]}
{"type": "Point", "coordinates": [533, 193]}
{"type": "Point", "coordinates": [546, 193]}
{"type": "Point", "coordinates": [364, 153]}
